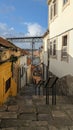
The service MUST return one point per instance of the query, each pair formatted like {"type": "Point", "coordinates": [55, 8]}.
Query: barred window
{"type": "Point", "coordinates": [53, 48]}
{"type": "Point", "coordinates": [64, 46]}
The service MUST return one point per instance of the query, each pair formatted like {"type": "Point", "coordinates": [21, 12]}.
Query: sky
{"type": "Point", "coordinates": [23, 17]}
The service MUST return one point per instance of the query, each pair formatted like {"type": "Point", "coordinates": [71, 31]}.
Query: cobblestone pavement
{"type": "Point", "coordinates": [29, 112]}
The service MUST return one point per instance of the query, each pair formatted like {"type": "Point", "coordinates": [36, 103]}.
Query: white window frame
{"type": "Point", "coordinates": [53, 53]}
{"type": "Point", "coordinates": [54, 48]}
{"type": "Point", "coordinates": [53, 9]}
{"type": "Point", "coordinates": [64, 48]}
{"type": "Point", "coordinates": [51, 12]}
{"type": "Point", "coordinates": [66, 3]}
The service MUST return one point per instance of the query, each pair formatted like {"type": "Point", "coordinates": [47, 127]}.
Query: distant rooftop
{"type": "Point", "coordinates": [5, 43]}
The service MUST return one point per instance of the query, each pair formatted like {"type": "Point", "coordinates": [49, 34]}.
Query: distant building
{"type": "Point", "coordinates": [61, 36]}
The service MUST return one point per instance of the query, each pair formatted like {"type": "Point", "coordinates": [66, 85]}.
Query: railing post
{"type": "Point", "coordinates": [43, 91]}
{"type": "Point", "coordinates": [47, 95]}
{"type": "Point", "coordinates": [54, 95]}
{"type": "Point", "coordinates": [39, 90]}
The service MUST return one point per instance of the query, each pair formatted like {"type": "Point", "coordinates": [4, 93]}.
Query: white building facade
{"type": "Point", "coordinates": [61, 37]}
{"type": "Point", "coordinates": [23, 71]}
{"type": "Point", "coordinates": [45, 54]}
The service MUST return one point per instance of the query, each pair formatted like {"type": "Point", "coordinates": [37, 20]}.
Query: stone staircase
{"type": "Point", "coordinates": [29, 112]}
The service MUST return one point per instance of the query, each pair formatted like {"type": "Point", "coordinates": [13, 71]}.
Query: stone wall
{"type": "Point", "coordinates": [65, 85]}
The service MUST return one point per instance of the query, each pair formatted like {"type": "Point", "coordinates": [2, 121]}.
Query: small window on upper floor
{"type": "Point", "coordinates": [51, 12]}
{"type": "Point", "coordinates": [53, 9]}
{"type": "Point", "coordinates": [65, 1]}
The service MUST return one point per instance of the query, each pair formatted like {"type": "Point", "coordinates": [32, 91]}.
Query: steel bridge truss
{"type": "Point", "coordinates": [31, 40]}
{"type": "Point", "coordinates": [25, 39]}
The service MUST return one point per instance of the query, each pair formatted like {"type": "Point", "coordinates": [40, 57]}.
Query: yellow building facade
{"type": "Point", "coordinates": [8, 86]}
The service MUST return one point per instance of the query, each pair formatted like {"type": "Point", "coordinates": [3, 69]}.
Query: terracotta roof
{"type": "Point", "coordinates": [6, 43]}
{"type": "Point", "coordinates": [24, 52]}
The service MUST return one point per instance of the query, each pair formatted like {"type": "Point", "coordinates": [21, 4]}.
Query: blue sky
{"type": "Point", "coordinates": [23, 17]}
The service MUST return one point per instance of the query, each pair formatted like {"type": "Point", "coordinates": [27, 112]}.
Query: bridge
{"type": "Point", "coordinates": [38, 40]}
{"type": "Point", "coordinates": [25, 39]}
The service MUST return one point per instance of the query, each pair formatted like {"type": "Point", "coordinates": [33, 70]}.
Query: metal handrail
{"type": "Point", "coordinates": [53, 87]}
{"type": "Point", "coordinates": [47, 86]}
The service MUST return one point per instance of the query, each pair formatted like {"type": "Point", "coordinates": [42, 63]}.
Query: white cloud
{"type": "Point", "coordinates": [5, 30]}
{"type": "Point", "coordinates": [6, 9]}
{"type": "Point", "coordinates": [34, 29]}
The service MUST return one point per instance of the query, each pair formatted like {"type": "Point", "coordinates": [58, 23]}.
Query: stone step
{"type": "Point", "coordinates": [26, 128]}
{"type": "Point", "coordinates": [30, 116]}
{"type": "Point", "coordinates": [10, 128]}
{"type": "Point", "coordinates": [13, 108]}
{"type": "Point", "coordinates": [39, 128]}
{"type": "Point", "coordinates": [43, 109]}
{"type": "Point", "coordinates": [6, 123]}
{"type": "Point", "coordinates": [23, 123]}
{"type": "Point", "coordinates": [27, 109]}
{"type": "Point", "coordinates": [8, 115]}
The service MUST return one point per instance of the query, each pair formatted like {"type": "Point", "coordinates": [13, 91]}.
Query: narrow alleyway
{"type": "Point", "coordinates": [29, 112]}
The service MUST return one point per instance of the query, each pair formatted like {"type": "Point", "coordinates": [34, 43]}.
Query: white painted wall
{"type": "Point", "coordinates": [45, 55]}
{"type": "Point", "coordinates": [23, 63]}
{"type": "Point", "coordinates": [29, 76]}
{"type": "Point", "coordinates": [45, 41]}
{"type": "Point", "coordinates": [62, 23]}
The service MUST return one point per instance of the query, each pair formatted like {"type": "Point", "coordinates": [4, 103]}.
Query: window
{"type": "Point", "coordinates": [8, 84]}
{"type": "Point", "coordinates": [53, 48]}
{"type": "Point", "coordinates": [64, 47]}
{"type": "Point", "coordinates": [51, 12]}
{"type": "Point", "coordinates": [53, 9]}
{"type": "Point", "coordinates": [65, 1]}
